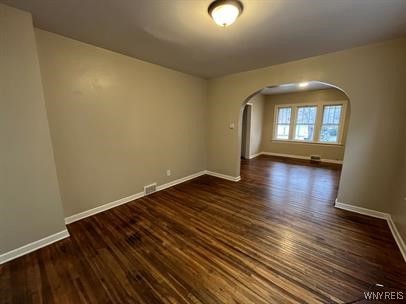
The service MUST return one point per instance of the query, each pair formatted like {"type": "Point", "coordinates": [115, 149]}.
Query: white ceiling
{"type": "Point", "coordinates": [181, 35]}
{"type": "Point", "coordinates": [294, 87]}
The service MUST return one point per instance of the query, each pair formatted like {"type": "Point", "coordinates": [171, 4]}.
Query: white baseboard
{"type": "Point", "coordinates": [13, 254]}
{"type": "Point", "coordinates": [121, 201]}
{"type": "Point", "coordinates": [398, 238]}
{"type": "Point", "coordinates": [181, 180]}
{"type": "Point", "coordinates": [323, 160]}
{"type": "Point", "coordinates": [93, 211]}
{"type": "Point", "coordinates": [377, 214]}
{"type": "Point", "coordinates": [227, 177]}
{"type": "Point", "coordinates": [63, 234]}
{"type": "Point", "coordinates": [255, 155]}
{"type": "Point", "coordinates": [361, 210]}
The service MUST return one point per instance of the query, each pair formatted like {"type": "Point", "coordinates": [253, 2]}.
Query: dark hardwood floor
{"type": "Point", "coordinates": [273, 237]}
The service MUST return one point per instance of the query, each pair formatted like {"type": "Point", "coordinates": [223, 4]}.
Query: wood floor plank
{"type": "Point", "coordinates": [273, 237]}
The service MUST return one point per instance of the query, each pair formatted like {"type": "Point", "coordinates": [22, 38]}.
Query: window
{"type": "Point", "coordinates": [313, 123]}
{"type": "Point", "coordinates": [305, 121]}
{"type": "Point", "coordinates": [283, 123]}
{"type": "Point", "coordinates": [330, 128]}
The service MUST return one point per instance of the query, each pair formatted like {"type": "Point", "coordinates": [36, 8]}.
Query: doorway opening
{"type": "Point", "coordinates": [246, 131]}
{"type": "Point", "coordinates": [299, 124]}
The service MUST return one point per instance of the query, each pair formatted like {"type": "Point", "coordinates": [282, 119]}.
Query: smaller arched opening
{"type": "Point", "coordinates": [287, 126]}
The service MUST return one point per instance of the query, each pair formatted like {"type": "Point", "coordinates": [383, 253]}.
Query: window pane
{"type": "Point", "coordinates": [329, 133]}
{"type": "Point", "coordinates": [284, 115]}
{"type": "Point", "coordinates": [306, 115]}
{"type": "Point", "coordinates": [282, 132]}
{"type": "Point", "coordinates": [331, 123]}
{"type": "Point", "coordinates": [304, 132]}
{"type": "Point", "coordinates": [332, 114]}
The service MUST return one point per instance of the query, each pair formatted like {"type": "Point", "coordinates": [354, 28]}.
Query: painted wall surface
{"type": "Point", "coordinates": [398, 210]}
{"type": "Point", "coordinates": [245, 132]}
{"type": "Point", "coordinates": [374, 82]}
{"type": "Point", "coordinates": [30, 204]}
{"type": "Point", "coordinates": [118, 123]}
{"type": "Point", "coordinates": [316, 97]}
{"type": "Point", "coordinates": [257, 114]}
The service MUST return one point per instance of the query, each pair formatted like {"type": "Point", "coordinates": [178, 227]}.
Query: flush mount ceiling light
{"type": "Point", "coordinates": [225, 12]}
{"type": "Point", "coordinates": [303, 84]}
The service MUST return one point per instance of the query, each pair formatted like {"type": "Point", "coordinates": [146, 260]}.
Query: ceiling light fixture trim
{"type": "Point", "coordinates": [225, 12]}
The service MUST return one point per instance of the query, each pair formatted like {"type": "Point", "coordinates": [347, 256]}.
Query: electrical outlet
{"type": "Point", "coordinates": [168, 172]}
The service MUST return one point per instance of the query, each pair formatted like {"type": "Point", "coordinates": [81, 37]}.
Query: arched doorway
{"type": "Point", "coordinates": [296, 121]}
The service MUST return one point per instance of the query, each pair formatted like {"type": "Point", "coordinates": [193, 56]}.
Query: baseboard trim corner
{"type": "Point", "coordinates": [223, 176]}
{"type": "Point", "coordinates": [13, 254]}
{"type": "Point", "coordinates": [23, 250]}
{"type": "Point", "coordinates": [361, 210]}
{"type": "Point", "coordinates": [124, 200]}
{"type": "Point", "coordinates": [255, 155]}
{"type": "Point", "coordinates": [377, 214]}
{"type": "Point", "coordinates": [398, 238]}
{"type": "Point", "coordinates": [93, 211]}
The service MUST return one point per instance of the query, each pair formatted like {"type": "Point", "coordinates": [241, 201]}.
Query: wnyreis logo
{"type": "Point", "coordinates": [383, 295]}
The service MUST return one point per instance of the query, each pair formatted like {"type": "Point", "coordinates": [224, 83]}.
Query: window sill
{"type": "Point", "coordinates": [306, 142]}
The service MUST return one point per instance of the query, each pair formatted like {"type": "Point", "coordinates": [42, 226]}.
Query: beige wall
{"type": "Point", "coordinates": [326, 151]}
{"type": "Point", "coordinates": [30, 205]}
{"type": "Point", "coordinates": [374, 83]}
{"type": "Point", "coordinates": [398, 210]}
{"type": "Point", "coordinates": [245, 132]}
{"type": "Point", "coordinates": [118, 123]}
{"type": "Point", "coordinates": [257, 113]}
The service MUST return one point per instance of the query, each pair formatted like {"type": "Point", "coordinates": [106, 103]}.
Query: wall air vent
{"type": "Point", "coordinates": [148, 189]}
{"type": "Point", "coordinates": [315, 158]}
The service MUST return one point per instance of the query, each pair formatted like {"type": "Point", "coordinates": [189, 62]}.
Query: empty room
{"type": "Point", "coordinates": [203, 151]}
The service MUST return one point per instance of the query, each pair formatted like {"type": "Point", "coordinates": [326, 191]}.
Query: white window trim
{"type": "Point", "coordinates": [317, 127]}
{"type": "Point", "coordinates": [315, 134]}
{"type": "Point", "coordinates": [275, 123]}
